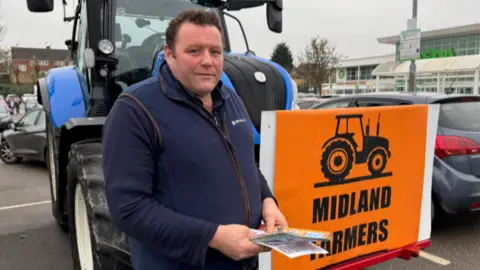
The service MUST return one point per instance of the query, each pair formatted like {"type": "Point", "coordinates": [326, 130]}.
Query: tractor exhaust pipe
{"type": "Point", "coordinates": [378, 124]}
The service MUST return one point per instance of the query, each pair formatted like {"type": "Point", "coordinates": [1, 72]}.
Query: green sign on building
{"type": "Point", "coordinates": [437, 53]}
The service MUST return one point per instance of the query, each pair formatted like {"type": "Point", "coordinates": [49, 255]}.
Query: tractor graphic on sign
{"type": "Point", "coordinates": [340, 152]}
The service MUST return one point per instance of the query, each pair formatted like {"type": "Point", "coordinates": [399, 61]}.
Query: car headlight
{"type": "Point", "coordinates": [295, 95]}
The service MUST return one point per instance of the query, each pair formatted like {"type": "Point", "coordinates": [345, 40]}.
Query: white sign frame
{"type": "Point", "coordinates": [267, 167]}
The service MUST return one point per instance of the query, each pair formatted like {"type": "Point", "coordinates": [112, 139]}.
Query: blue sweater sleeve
{"type": "Point", "coordinates": [265, 189]}
{"type": "Point", "coordinates": [129, 150]}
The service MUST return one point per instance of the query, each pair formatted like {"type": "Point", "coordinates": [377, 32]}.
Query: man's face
{"type": "Point", "coordinates": [197, 59]}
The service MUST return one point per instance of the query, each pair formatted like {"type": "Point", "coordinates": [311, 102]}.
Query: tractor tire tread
{"type": "Point", "coordinates": [62, 220]}
{"type": "Point", "coordinates": [85, 163]}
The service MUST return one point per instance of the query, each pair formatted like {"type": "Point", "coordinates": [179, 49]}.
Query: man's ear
{"type": "Point", "coordinates": [169, 53]}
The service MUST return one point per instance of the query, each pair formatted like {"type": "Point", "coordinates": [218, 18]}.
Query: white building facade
{"type": "Point", "coordinates": [450, 62]}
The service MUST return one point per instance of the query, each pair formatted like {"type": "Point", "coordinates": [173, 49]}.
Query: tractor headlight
{"type": "Point", "coordinates": [295, 95]}
{"type": "Point", "coordinates": [106, 46]}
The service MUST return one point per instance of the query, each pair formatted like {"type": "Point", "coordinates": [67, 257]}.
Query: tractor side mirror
{"type": "Point", "coordinates": [40, 5]}
{"type": "Point", "coordinates": [274, 16]}
{"type": "Point", "coordinates": [89, 58]}
{"type": "Point", "coordinates": [274, 9]}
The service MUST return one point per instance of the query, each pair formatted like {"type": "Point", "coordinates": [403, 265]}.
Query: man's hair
{"type": "Point", "coordinates": [194, 16]}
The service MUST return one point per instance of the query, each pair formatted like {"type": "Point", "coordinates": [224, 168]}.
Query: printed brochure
{"type": "Point", "coordinates": [292, 242]}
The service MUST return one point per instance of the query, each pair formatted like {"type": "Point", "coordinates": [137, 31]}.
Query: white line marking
{"type": "Point", "coordinates": [23, 205]}
{"type": "Point", "coordinates": [434, 258]}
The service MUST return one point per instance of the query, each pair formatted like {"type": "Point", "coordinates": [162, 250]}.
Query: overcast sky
{"type": "Point", "coordinates": [352, 25]}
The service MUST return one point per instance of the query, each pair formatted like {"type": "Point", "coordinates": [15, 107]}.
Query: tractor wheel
{"type": "Point", "coordinates": [52, 156]}
{"type": "Point", "coordinates": [95, 243]}
{"type": "Point", "coordinates": [377, 160]}
{"type": "Point", "coordinates": [337, 161]}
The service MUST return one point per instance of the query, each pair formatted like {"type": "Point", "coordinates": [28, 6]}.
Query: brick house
{"type": "Point", "coordinates": [27, 64]}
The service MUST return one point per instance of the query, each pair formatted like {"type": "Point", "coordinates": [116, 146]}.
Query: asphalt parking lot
{"type": "Point", "coordinates": [30, 239]}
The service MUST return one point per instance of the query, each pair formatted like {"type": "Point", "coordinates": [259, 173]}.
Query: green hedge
{"type": "Point", "coordinates": [18, 89]}
{"type": "Point", "coordinates": [4, 78]}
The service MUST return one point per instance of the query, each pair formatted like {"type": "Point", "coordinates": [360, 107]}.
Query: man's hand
{"type": "Point", "coordinates": [234, 241]}
{"type": "Point", "coordinates": [272, 215]}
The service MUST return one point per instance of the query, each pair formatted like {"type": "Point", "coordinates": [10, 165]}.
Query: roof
{"type": "Point", "coordinates": [366, 61]}
{"type": "Point", "coordinates": [387, 67]}
{"type": "Point", "coordinates": [39, 53]}
{"type": "Point", "coordinates": [445, 32]}
{"type": "Point", "coordinates": [455, 64]}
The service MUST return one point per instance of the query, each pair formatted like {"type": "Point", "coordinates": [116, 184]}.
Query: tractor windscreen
{"type": "Point", "coordinates": [139, 32]}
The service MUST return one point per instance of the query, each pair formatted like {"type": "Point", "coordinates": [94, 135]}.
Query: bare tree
{"type": "Point", "coordinates": [3, 31]}
{"type": "Point", "coordinates": [317, 62]}
{"type": "Point", "coordinates": [4, 61]}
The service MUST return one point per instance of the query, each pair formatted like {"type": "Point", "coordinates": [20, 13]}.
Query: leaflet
{"type": "Point", "coordinates": [292, 242]}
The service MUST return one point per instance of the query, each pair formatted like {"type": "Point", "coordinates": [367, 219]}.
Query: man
{"type": "Point", "coordinates": [180, 178]}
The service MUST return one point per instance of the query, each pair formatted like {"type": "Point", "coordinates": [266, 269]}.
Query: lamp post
{"type": "Point", "coordinates": [413, 67]}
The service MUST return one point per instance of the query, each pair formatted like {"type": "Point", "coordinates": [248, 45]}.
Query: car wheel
{"type": "Point", "coordinates": [432, 213]}
{"type": "Point", "coordinates": [6, 154]}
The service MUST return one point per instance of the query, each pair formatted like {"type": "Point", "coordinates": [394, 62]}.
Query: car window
{"type": "Point", "coordinates": [340, 104]}
{"type": "Point", "coordinates": [3, 109]}
{"type": "Point", "coordinates": [305, 104]}
{"type": "Point", "coordinates": [28, 119]}
{"type": "Point", "coordinates": [41, 120]}
{"type": "Point", "coordinates": [460, 116]}
{"type": "Point", "coordinates": [373, 103]}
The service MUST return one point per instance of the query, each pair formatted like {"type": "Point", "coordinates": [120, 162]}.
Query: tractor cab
{"type": "Point", "coordinates": [348, 126]}
{"type": "Point", "coordinates": [119, 43]}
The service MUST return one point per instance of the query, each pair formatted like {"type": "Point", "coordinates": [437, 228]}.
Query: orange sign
{"type": "Point", "coordinates": [357, 173]}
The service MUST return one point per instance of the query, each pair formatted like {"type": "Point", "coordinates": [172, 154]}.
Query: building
{"type": "Point", "coordinates": [450, 62]}
{"type": "Point", "coordinates": [355, 76]}
{"type": "Point", "coordinates": [28, 63]}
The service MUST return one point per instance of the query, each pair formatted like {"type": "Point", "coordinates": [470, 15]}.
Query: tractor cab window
{"type": "Point", "coordinates": [81, 37]}
{"type": "Point", "coordinates": [139, 33]}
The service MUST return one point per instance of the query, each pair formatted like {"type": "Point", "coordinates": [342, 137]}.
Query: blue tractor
{"type": "Point", "coordinates": [115, 44]}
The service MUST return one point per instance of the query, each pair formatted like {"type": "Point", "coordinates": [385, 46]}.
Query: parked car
{"type": "Point", "coordinates": [26, 97]}
{"type": "Point", "coordinates": [26, 139]}
{"type": "Point", "coordinates": [5, 117]}
{"type": "Point", "coordinates": [456, 168]}
{"type": "Point", "coordinates": [31, 103]}
{"type": "Point", "coordinates": [11, 96]}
